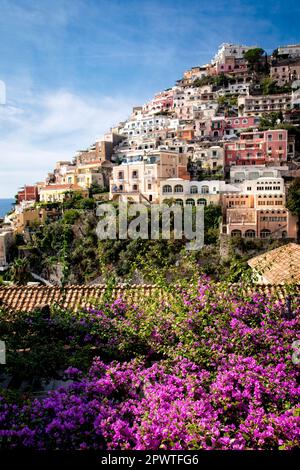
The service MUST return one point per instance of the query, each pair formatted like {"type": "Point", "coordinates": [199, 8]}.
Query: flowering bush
{"type": "Point", "coordinates": [205, 369]}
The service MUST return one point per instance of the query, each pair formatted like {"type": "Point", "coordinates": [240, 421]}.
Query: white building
{"type": "Point", "coordinates": [248, 172]}
{"type": "Point", "coordinates": [194, 192]}
{"type": "Point", "coordinates": [263, 185]}
{"type": "Point", "coordinates": [235, 89]}
{"type": "Point", "coordinates": [292, 50]}
{"type": "Point", "coordinates": [144, 125]}
{"type": "Point", "coordinates": [230, 50]}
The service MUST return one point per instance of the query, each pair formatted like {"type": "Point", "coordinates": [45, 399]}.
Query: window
{"type": "Point", "coordinates": [194, 190]}
{"type": "Point", "coordinates": [280, 136]}
{"type": "Point", "coordinates": [178, 188]}
{"type": "Point", "coordinates": [134, 174]}
{"type": "Point", "coordinates": [265, 233]}
{"type": "Point", "coordinates": [204, 190]}
{"type": "Point", "coordinates": [167, 189]}
{"type": "Point", "coordinates": [270, 136]}
{"type": "Point", "coordinates": [190, 202]}
{"type": "Point", "coordinates": [179, 202]}
{"type": "Point", "coordinates": [201, 202]}
{"type": "Point", "coordinates": [135, 187]}
{"type": "Point", "coordinates": [250, 234]}
{"type": "Point", "coordinates": [149, 185]}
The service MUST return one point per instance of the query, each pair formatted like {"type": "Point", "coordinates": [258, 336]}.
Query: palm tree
{"type": "Point", "coordinates": [18, 271]}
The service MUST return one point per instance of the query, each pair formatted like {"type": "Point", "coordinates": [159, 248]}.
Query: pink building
{"type": "Point", "coordinates": [242, 122]}
{"type": "Point", "coordinates": [221, 126]}
{"type": "Point", "coordinates": [258, 148]}
{"type": "Point", "coordinates": [285, 72]}
{"type": "Point", "coordinates": [161, 102]}
{"type": "Point", "coordinates": [231, 66]}
{"type": "Point", "coordinates": [218, 126]}
{"type": "Point", "coordinates": [28, 193]}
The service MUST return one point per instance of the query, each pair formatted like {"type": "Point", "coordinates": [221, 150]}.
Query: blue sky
{"type": "Point", "coordinates": [73, 69]}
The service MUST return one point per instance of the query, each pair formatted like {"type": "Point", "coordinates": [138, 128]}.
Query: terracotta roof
{"type": "Point", "coordinates": [279, 266]}
{"type": "Point", "coordinates": [29, 298]}
{"type": "Point", "coordinates": [60, 186]}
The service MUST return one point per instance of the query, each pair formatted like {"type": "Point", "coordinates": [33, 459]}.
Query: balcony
{"type": "Point", "coordinates": [124, 191]}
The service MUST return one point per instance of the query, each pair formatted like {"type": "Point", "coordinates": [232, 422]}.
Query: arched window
{"type": "Point", "coordinates": [121, 187]}
{"type": "Point", "coordinates": [178, 188]}
{"type": "Point", "coordinates": [179, 202]}
{"type": "Point", "coordinates": [204, 190]}
{"type": "Point", "coordinates": [265, 233]}
{"type": "Point", "coordinates": [135, 187]}
{"type": "Point", "coordinates": [194, 190]}
{"type": "Point", "coordinates": [236, 233]}
{"type": "Point", "coordinates": [190, 202]}
{"type": "Point", "coordinates": [250, 234]}
{"type": "Point", "coordinates": [201, 202]}
{"type": "Point", "coordinates": [167, 188]}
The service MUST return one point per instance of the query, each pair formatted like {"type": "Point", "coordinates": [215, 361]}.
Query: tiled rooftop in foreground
{"type": "Point", "coordinates": [29, 298]}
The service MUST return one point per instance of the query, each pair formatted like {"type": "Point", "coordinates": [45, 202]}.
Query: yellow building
{"type": "Point", "coordinates": [57, 192]}
{"type": "Point", "coordinates": [28, 218]}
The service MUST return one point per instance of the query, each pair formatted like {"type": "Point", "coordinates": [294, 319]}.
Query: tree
{"type": "Point", "coordinates": [221, 80]}
{"type": "Point", "coordinates": [203, 81]}
{"type": "Point", "coordinates": [96, 188]}
{"type": "Point", "coordinates": [18, 271]}
{"type": "Point", "coordinates": [254, 58]}
{"type": "Point", "coordinates": [293, 199]}
{"type": "Point", "coordinates": [270, 120]}
{"type": "Point", "coordinates": [268, 86]}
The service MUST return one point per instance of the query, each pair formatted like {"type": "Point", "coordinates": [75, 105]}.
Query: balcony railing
{"type": "Point", "coordinates": [124, 191]}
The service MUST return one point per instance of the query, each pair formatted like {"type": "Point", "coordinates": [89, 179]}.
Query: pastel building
{"type": "Point", "coordinates": [248, 172]}
{"type": "Point", "coordinates": [258, 211]}
{"type": "Point", "coordinates": [285, 72]}
{"type": "Point", "coordinates": [292, 50]}
{"type": "Point", "coordinates": [29, 217]}
{"type": "Point", "coordinates": [258, 148]}
{"type": "Point", "coordinates": [58, 192]}
{"type": "Point", "coordinates": [144, 126]}
{"type": "Point", "coordinates": [161, 102]}
{"type": "Point", "coordinates": [194, 192]}
{"type": "Point", "coordinates": [99, 152]}
{"type": "Point", "coordinates": [211, 157]}
{"type": "Point", "coordinates": [230, 58]}
{"type": "Point", "coordinates": [258, 105]}
{"type": "Point", "coordinates": [28, 193]}
{"type": "Point", "coordinates": [237, 124]}
{"type": "Point", "coordinates": [235, 89]}
{"type": "Point", "coordinates": [139, 178]}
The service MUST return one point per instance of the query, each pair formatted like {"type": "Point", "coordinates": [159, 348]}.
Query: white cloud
{"type": "Point", "coordinates": [48, 128]}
